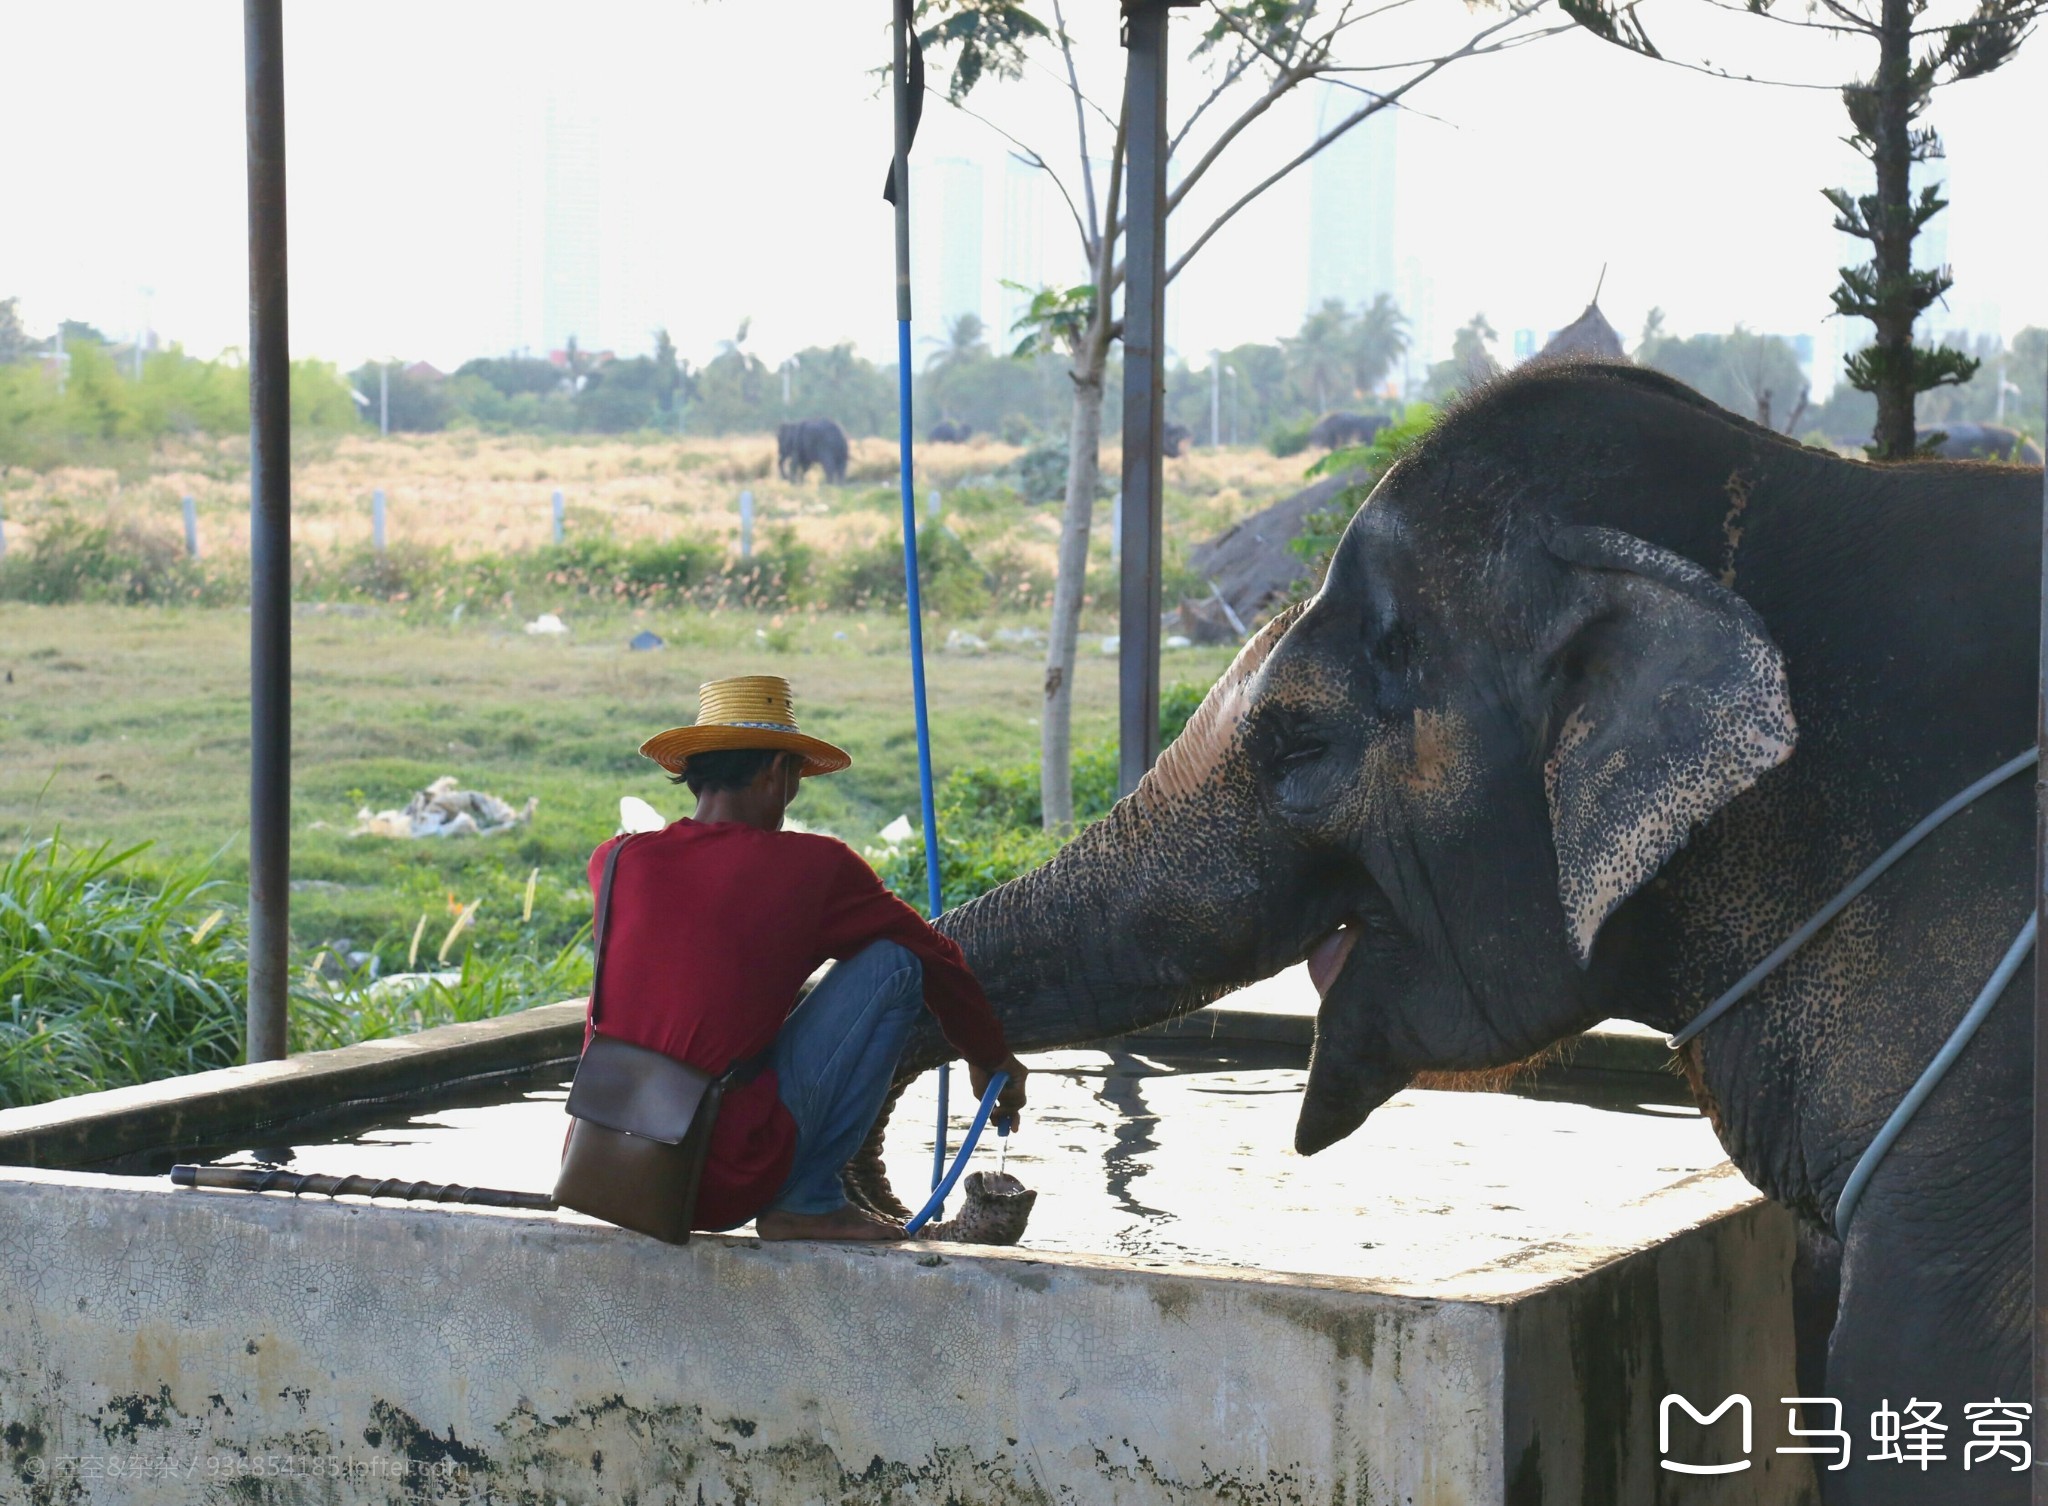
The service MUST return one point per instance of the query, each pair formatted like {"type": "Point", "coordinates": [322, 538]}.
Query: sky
{"type": "Point", "coordinates": [738, 152]}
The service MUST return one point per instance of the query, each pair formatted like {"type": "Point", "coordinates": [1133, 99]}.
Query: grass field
{"type": "Point", "coordinates": [130, 724]}
{"type": "Point", "coordinates": [478, 493]}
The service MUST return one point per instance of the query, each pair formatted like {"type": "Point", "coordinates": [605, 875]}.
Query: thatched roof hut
{"type": "Point", "coordinates": [1588, 335]}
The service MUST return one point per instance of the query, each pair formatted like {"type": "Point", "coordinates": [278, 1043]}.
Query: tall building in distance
{"type": "Point", "coordinates": [1352, 189]}
{"type": "Point", "coordinates": [571, 301]}
{"type": "Point", "coordinates": [1023, 255]}
{"type": "Point", "coordinates": [946, 267]}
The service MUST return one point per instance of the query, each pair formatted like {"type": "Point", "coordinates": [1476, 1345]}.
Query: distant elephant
{"type": "Point", "coordinates": [1605, 692]}
{"type": "Point", "coordinates": [945, 431]}
{"type": "Point", "coordinates": [1982, 442]}
{"type": "Point", "coordinates": [1336, 431]}
{"type": "Point", "coordinates": [1173, 439]}
{"type": "Point", "coordinates": [809, 442]}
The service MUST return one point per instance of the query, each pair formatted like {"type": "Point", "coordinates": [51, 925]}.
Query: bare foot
{"type": "Point", "coordinates": [846, 1223]}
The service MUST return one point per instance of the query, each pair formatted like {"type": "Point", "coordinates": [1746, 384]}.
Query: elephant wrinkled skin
{"type": "Point", "coordinates": [1605, 692]}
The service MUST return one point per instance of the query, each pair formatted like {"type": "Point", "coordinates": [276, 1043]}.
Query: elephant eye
{"type": "Point", "coordinates": [1301, 753]}
{"type": "Point", "coordinates": [1392, 646]}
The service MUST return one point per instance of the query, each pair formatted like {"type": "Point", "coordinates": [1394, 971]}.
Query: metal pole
{"type": "Point", "coordinates": [270, 536]}
{"type": "Point", "coordinates": [191, 529]}
{"type": "Point", "coordinates": [377, 520]}
{"type": "Point", "coordinates": [1215, 398]}
{"type": "Point", "coordinates": [900, 182]}
{"type": "Point", "coordinates": [2040, 1198]}
{"type": "Point", "coordinates": [557, 505]}
{"type": "Point", "coordinates": [1144, 389]}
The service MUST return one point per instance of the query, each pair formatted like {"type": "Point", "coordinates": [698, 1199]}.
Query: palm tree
{"type": "Point", "coordinates": [964, 344]}
{"type": "Point", "coordinates": [1379, 338]}
{"type": "Point", "coordinates": [1319, 357]}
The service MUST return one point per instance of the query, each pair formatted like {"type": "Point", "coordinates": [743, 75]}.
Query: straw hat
{"type": "Point", "coordinates": [746, 711]}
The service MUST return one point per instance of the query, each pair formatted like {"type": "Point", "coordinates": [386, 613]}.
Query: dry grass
{"type": "Point", "coordinates": [478, 493]}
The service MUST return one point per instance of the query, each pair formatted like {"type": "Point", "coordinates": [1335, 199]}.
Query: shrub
{"type": "Point", "coordinates": [113, 561]}
{"type": "Point", "coordinates": [107, 980]}
{"type": "Point", "coordinates": [991, 823]}
{"type": "Point", "coordinates": [110, 977]}
{"type": "Point", "coordinates": [1289, 439]}
{"type": "Point", "coordinates": [948, 578]}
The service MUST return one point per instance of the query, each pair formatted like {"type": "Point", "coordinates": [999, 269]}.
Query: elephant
{"type": "Point", "coordinates": [809, 442]}
{"type": "Point", "coordinates": [1606, 690]}
{"type": "Point", "coordinates": [1982, 442]}
{"type": "Point", "coordinates": [1334, 431]}
{"type": "Point", "coordinates": [946, 431]}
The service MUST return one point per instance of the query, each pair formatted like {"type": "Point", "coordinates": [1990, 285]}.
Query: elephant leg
{"type": "Point", "coordinates": [1816, 1300]}
{"type": "Point", "coordinates": [1933, 1308]}
{"type": "Point", "coordinates": [865, 1178]}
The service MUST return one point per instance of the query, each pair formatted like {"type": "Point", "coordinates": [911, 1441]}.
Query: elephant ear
{"type": "Point", "coordinates": [1675, 702]}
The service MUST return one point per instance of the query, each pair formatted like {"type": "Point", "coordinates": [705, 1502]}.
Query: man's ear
{"type": "Point", "coordinates": [1673, 702]}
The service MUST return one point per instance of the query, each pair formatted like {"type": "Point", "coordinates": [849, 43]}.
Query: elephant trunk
{"type": "Point", "coordinates": [1186, 890]}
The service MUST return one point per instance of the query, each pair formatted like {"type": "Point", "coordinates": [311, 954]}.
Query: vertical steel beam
{"type": "Point", "coordinates": [270, 536]}
{"type": "Point", "coordinates": [2040, 1230]}
{"type": "Point", "coordinates": [1144, 338]}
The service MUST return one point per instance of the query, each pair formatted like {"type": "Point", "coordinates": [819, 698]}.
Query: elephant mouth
{"type": "Point", "coordinates": [1327, 957]}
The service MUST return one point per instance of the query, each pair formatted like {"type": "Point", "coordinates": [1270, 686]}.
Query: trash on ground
{"type": "Point", "coordinates": [637, 815]}
{"type": "Point", "coordinates": [1178, 640]}
{"type": "Point", "coordinates": [896, 833]}
{"type": "Point", "coordinates": [960, 641]}
{"type": "Point", "coordinates": [643, 640]}
{"type": "Point", "coordinates": [546, 625]}
{"type": "Point", "coordinates": [1112, 643]}
{"type": "Point", "coordinates": [443, 810]}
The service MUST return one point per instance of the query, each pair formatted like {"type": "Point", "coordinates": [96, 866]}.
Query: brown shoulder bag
{"type": "Point", "coordinates": [641, 1121]}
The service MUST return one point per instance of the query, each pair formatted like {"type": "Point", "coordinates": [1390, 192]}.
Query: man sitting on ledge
{"type": "Point", "coordinates": [716, 921]}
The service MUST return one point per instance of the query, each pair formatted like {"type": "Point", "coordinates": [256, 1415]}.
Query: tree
{"type": "Point", "coordinates": [1885, 111]}
{"type": "Point", "coordinates": [1471, 361]}
{"type": "Point", "coordinates": [1250, 55]}
{"type": "Point", "coordinates": [1379, 338]}
{"type": "Point", "coordinates": [1755, 375]}
{"type": "Point", "coordinates": [1319, 357]}
{"type": "Point", "coordinates": [13, 338]}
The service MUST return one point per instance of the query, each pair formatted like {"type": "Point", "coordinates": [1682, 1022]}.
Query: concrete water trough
{"type": "Point", "coordinates": [1477, 1298]}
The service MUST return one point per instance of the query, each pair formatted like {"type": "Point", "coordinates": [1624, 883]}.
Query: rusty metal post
{"type": "Point", "coordinates": [1144, 415]}
{"type": "Point", "coordinates": [270, 537]}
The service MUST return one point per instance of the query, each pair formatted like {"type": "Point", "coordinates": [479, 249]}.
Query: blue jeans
{"type": "Point", "coordinates": [834, 1061]}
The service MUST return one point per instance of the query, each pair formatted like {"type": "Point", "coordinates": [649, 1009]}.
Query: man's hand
{"type": "Point", "coordinates": [1011, 1100]}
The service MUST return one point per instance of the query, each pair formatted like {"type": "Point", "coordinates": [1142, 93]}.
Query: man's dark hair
{"type": "Point", "coordinates": [726, 769]}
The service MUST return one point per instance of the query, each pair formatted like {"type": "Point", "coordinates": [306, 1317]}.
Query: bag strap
{"type": "Point", "coordinates": [604, 905]}
{"type": "Point", "coordinates": [747, 1068]}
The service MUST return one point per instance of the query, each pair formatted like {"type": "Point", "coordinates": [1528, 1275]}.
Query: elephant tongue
{"type": "Point", "coordinates": [1327, 960]}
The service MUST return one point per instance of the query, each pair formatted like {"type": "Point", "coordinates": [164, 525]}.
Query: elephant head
{"type": "Point", "coordinates": [1437, 781]}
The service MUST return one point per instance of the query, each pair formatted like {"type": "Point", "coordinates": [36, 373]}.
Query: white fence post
{"type": "Point", "coordinates": [746, 525]}
{"type": "Point", "coordinates": [933, 507]}
{"type": "Point", "coordinates": [191, 529]}
{"type": "Point", "coordinates": [377, 520]}
{"type": "Point", "coordinates": [558, 517]}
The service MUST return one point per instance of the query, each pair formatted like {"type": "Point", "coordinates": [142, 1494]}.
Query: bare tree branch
{"type": "Point", "coordinates": [1476, 46]}
{"type": "Point", "coordinates": [1026, 153]}
{"type": "Point", "coordinates": [1081, 128]}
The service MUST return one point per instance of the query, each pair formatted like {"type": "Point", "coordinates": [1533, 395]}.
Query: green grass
{"type": "Point", "coordinates": [130, 725]}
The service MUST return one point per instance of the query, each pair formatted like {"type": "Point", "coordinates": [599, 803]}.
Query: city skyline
{"type": "Point", "coordinates": [422, 227]}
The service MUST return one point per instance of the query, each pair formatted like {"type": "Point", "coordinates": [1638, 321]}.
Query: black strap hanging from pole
{"type": "Point", "coordinates": [270, 537]}
{"type": "Point", "coordinates": [913, 105]}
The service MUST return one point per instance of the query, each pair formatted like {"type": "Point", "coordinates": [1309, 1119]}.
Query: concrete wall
{"type": "Point", "coordinates": [167, 1346]}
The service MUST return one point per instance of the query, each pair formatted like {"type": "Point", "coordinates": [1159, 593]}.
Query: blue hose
{"type": "Point", "coordinates": [924, 735]}
{"type": "Point", "coordinates": [945, 1183]}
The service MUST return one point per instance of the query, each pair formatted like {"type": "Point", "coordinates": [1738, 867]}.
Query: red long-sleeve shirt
{"type": "Point", "coordinates": [713, 928]}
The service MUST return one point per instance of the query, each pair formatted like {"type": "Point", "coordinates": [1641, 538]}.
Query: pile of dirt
{"type": "Point", "coordinates": [1251, 562]}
